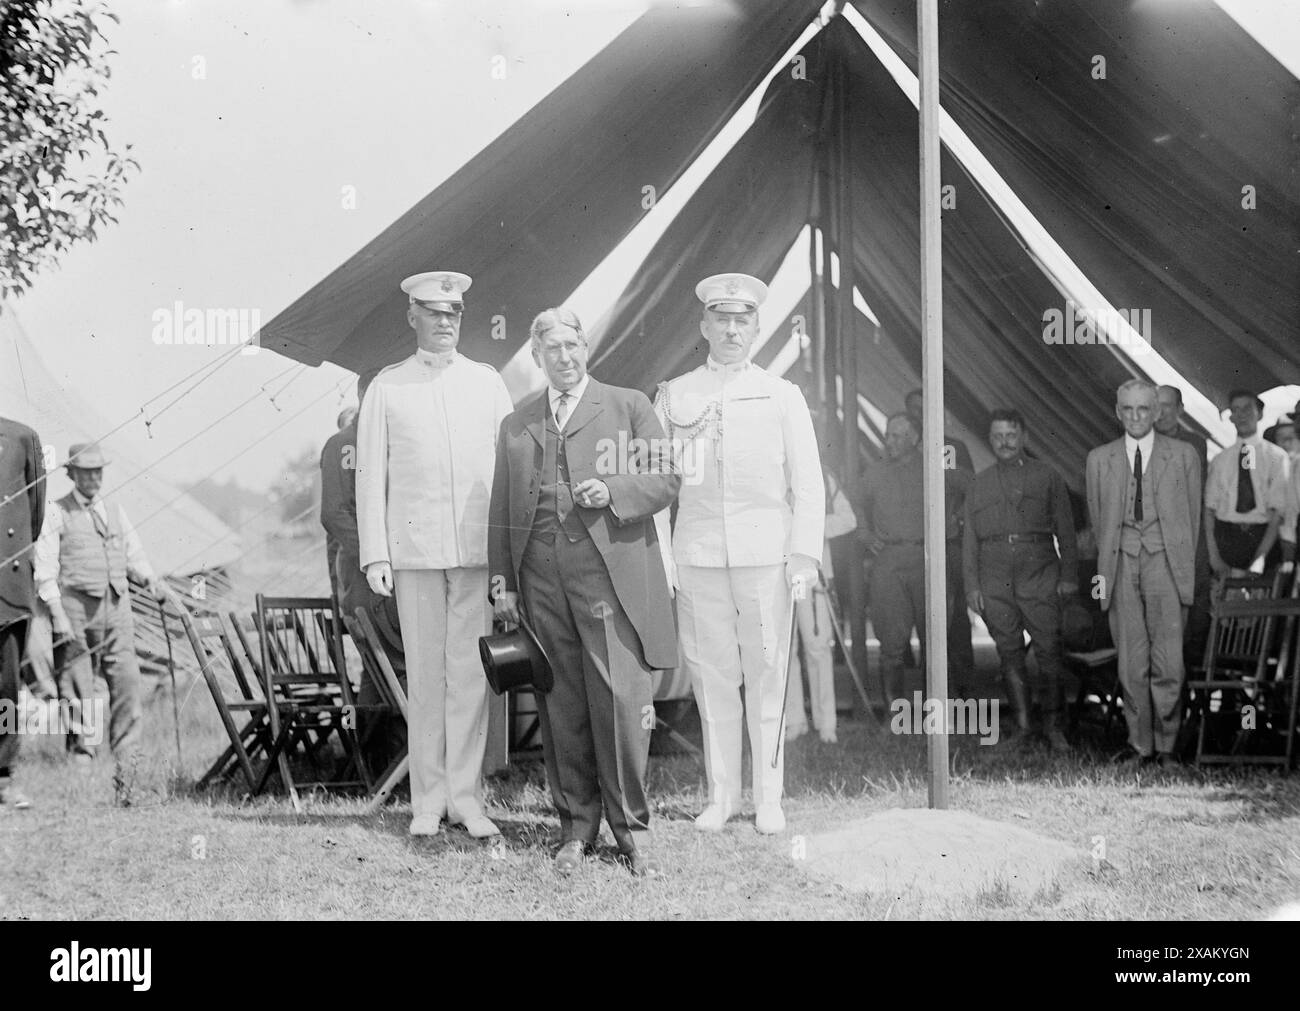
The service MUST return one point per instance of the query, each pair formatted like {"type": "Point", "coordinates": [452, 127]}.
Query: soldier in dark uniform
{"type": "Point", "coordinates": [1013, 575]}
{"type": "Point", "coordinates": [22, 511]}
{"type": "Point", "coordinates": [893, 511]}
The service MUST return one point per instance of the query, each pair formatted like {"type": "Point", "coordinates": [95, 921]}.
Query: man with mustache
{"type": "Point", "coordinates": [748, 527]}
{"type": "Point", "coordinates": [426, 448]}
{"type": "Point", "coordinates": [1015, 510]}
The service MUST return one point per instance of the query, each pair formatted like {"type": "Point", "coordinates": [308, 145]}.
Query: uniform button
{"type": "Point", "coordinates": [15, 566]}
{"type": "Point", "coordinates": [11, 531]}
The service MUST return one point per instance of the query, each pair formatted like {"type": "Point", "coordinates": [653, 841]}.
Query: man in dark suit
{"type": "Point", "coordinates": [1144, 501]}
{"type": "Point", "coordinates": [338, 515]}
{"type": "Point", "coordinates": [22, 511]}
{"type": "Point", "coordinates": [581, 471]}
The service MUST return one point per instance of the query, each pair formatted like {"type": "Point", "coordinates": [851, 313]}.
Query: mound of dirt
{"type": "Point", "coordinates": [939, 852]}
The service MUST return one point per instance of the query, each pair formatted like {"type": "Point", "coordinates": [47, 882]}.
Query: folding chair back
{"type": "Point", "coordinates": [379, 670]}
{"type": "Point", "coordinates": [1245, 700]}
{"type": "Point", "coordinates": [229, 686]}
{"type": "Point", "coordinates": [306, 683]}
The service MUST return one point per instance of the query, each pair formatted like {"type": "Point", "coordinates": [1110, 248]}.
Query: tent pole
{"type": "Point", "coordinates": [936, 628]}
{"type": "Point", "coordinates": [846, 329]}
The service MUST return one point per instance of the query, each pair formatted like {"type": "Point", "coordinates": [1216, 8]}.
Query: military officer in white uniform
{"type": "Point", "coordinates": [749, 523]}
{"type": "Point", "coordinates": [426, 450]}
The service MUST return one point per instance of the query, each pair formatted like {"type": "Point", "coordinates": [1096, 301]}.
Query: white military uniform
{"type": "Point", "coordinates": [426, 450]}
{"type": "Point", "coordinates": [751, 496]}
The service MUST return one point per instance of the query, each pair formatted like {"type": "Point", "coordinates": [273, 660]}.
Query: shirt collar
{"type": "Point", "coordinates": [85, 502]}
{"type": "Point", "coordinates": [1145, 444]}
{"type": "Point", "coordinates": [1251, 440]}
{"type": "Point", "coordinates": [575, 394]}
{"type": "Point", "coordinates": [435, 359]}
{"type": "Point", "coordinates": [729, 369]}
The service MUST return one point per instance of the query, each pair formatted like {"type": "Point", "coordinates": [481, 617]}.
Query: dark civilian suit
{"type": "Point", "coordinates": [22, 511]}
{"type": "Point", "coordinates": [338, 515]}
{"type": "Point", "coordinates": [593, 588]}
{"type": "Point", "coordinates": [1147, 570]}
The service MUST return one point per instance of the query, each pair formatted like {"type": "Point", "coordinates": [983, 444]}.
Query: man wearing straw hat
{"type": "Point", "coordinates": [426, 449]}
{"type": "Point", "coordinates": [749, 526]}
{"type": "Point", "coordinates": [83, 559]}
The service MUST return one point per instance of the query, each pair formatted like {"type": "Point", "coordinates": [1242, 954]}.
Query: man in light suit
{"type": "Point", "coordinates": [1144, 501]}
{"type": "Point", "coordinates": [426, 446]}
{"type": "Point", "coordinates": [22, 512]}
{"type": "Point", "coordinates": [581, 471]}
{"type": "Point", "coordinates": [750, 521]}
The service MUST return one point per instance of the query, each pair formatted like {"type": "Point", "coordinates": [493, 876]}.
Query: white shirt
{"type": "Point", "coordinates": [1269, 476]}
{"type": "Point", "coordinates": [752, 490]}
{"type": "Point", "coordinates": [1146, 444]}
{"type": "Point", "coordinates": [574, 395]}
{"type": "Point", "coordinates": [45, 554]}
{"type": "Point", "coordinates": [426, 452]}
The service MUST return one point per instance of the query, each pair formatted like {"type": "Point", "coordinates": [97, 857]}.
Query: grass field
{"type": "Point", "coordinates": [1222, 846]}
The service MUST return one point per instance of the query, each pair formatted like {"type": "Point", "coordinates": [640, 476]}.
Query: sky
{"type": "Point", "coordinates": [277, 137]}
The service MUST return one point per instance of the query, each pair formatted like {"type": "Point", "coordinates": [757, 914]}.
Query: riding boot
{"type": "Point", "coordinates": [1014, 675]}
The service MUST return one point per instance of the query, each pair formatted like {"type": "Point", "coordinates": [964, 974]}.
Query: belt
{"type": "Point", "coordinates": [1017, 539]}
{"type": "Point", "coordinates": [1245, 528]}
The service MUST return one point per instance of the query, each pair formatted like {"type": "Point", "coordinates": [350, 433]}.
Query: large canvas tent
{"type": "Point", "coordinates": [1139, 177]}
{"type": "Point", "coordinates": [1164, 182]}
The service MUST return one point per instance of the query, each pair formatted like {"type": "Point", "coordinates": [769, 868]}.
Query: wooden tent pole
{"type": "Point", "coordinates": [936, 631]}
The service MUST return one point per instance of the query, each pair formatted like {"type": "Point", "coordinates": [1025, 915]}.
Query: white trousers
{"type": "Point", "coordinates": [815, 635]}
{"type": "Point", "coordinates": [443, 613]}
{"type": "Point", "coordinates": [735, 630]}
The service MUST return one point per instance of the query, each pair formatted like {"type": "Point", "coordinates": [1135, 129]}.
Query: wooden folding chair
{"type": "Point", "coordinates": [311, 699]}
{"type": "Point", "coordinates": [1251, 661]}
{"type": "Point", "coordinates": [232, 692]}
{"type": "Point", "coordinates": [376, 666]}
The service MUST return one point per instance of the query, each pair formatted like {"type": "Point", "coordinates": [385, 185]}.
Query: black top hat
{"type": "Point", "coordinates": [512, 659]}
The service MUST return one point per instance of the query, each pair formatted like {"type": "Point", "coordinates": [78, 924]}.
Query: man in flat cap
{"type": "Point", "coordinates": [582, 469]}
{"type": "Point", "coordinates": [426, 450]}
{"type": "Point", "coordinates": [83, 559]}
{"type": "Point", "coordinates": [749, 528]}
{"type": "Point", "coordinates": [22, 511]}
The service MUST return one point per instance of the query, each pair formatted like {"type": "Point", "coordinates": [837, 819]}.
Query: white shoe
{"type": "Point", "coordinates": [425, 824]}
{"type": "Point", "coordinates": [769, 819]}
{"type": "Point", "coordinates": [828, 736]}
{"type": "Point", "coordinates": [713, 818]}
{"type": "Point", "coordinates": [480, 826]}
{"type": "Point", "coordinates": [793, 733]}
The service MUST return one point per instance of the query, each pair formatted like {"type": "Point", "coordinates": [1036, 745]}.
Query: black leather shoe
{"type": "Point", "coordinates": [569, 859]}
{"type": "Point", "coordinates": [644, 864]}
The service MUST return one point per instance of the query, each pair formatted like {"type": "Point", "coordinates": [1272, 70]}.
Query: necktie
{"type": "Point", "coordinates": [1245, 486]}
{"type": "Point", "coordinates": [1137, 477]}
{"type": "Point", "coordinates": [101, 527]}
{"type": "Point", "coordinates": [562, 411]}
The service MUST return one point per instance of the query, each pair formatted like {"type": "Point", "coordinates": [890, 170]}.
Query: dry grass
{"type": "Point", "coordinates": [1219, 847]}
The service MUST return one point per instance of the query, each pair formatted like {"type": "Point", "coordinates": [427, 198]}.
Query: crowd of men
{"type": "Point", "coordinates": [447, 507]}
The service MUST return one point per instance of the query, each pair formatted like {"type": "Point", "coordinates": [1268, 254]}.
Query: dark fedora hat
{"type": "Point", "coordinates": [512, 659]}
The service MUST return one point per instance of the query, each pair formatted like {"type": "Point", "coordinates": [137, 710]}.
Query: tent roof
{"type": "Point", "coordinates": [179, 535]}
{"type": "Point", "coordinates": [1140, 175]}
{"type": "Point", "coordinates": [1110, 167]}
{"type": "Point", "coordinates": [559, 189]}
